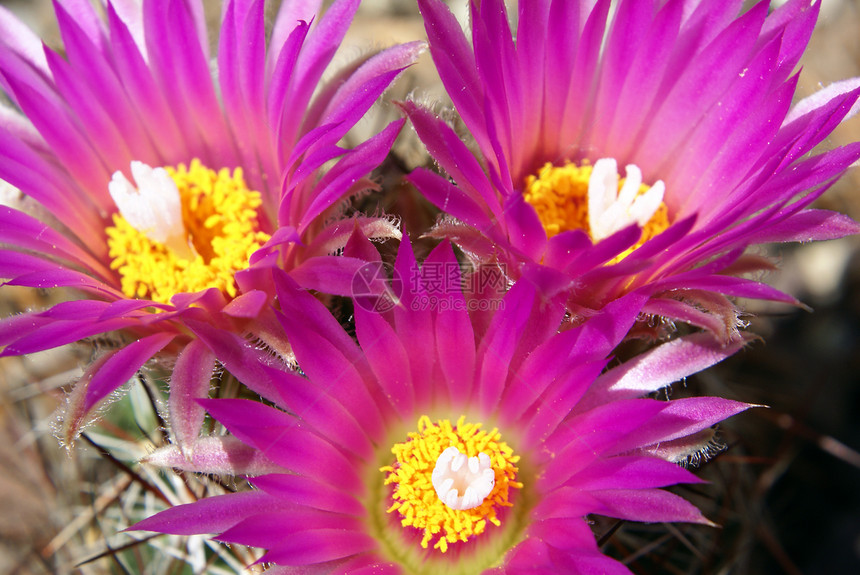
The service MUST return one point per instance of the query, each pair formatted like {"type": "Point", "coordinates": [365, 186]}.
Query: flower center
{"type": "Point", "coordinates": [182, 230]}
{"type": "Point", "coordinates": [450, 481]}
{"type": "Point", "coordinates": [593, 199]}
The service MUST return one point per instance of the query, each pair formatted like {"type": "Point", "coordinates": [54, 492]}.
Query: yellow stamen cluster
{"type": "Point", "coordinates": [219, 213]}
{"type": "Point", "coordinates": [559, 195]}
{"type": "Point", "coordinates": [414, 496]}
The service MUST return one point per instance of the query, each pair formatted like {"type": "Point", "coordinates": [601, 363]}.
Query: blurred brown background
{"type": "Point", "coordinates": [786, 491]}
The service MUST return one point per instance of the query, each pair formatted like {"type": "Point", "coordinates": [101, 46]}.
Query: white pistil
{"type": "Point", "coordinates": [154, 208]}
{"type": "Point", "coordinates": [463, 482]}
{"type": "Point", "coordinates": [611, 210]}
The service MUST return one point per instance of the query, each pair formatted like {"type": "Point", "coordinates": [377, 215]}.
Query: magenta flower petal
{"type": "Point", "coordinates": [238, 356]}
{"type": "Point", "coordinates": [641, 63]}
{"type": "Point", "coordinates": [544, 365]}
{"type": "Point", "coordinates": [823, 97]}
{"type": "Point", "coordinates": [373, 568]}
{"type": "Point", "coordinates": [49, 116]}
{"type": "Point", "coordinates": [213, 514]}
{"type": "Point", "coordinates": [222, 455]}
{"type": "Point", "coordinates": [60, 332]}
{"type": "Point", "coordinates": [318, 52]}
{"type": "Point", "coordinates": [323, 363]}
{"type": "Point", "coordinates": [633, 472]}
{"type": "Point", "coordinates": [563, 249]}
{"type": "Point", "coordinates": [275, 529]}
{"type": "Point", "coordinates": [589, 436]}
{"type": "Point", "coordinates": [45, 181]}
{"type": "Point", "coordinates": [304, 311]}
{"type": "Point", "coordinates": [180, 70]}
{"type": "Point", "coordinates": [570, 533]}
{"type": "Point", "coordinates": [34, 271]}
{"type": "Point", "coordinates": [332, 274]}
{"type": "Point", "coordinates": [556, 403]}
{"type": "Point", "coordinates": [22, 41]}
{"type": "Point", "coordinates": [339, 233]}
{"type": "Point", "coordinates": [600, 333]}
{"type": "Point", "coordinates": [291, 13]}
{"type": "Point", "coordinates": [732, 286]}
{"type": "Point", "coordinates": [692, 313]}
{"type": "Point", "coordinates": [456, 61]}
{"type": "Point", "coordinates": [16, 327]}
{"type": "Point", "coordinates": [248, 305]}
{"type": "Point", "coordinates": [413, 322]}
{"type": "Point", "coordinates": [305, 491]}
{"type": "Point", "coordinates": [355, 95]}
{"type": "Point", "coordinates": [699, 87]}
{"type": "Point", "coordinates": [646, 505]}
{"type": "Point", "coordinates": [657, 368]}
{"type": "Point", "coordinates": [444, 145]}
{"type": "Point", "coordinates": [810, 225]}
{"type": "Point", "coordinates": [276, 435]}
{"type": "Point", "coordinates": [79, 78]}
{"type": "Point", "coordinates": [22, 230]}
{"type": "Point", "coordinates": [602, 253]}
{"type": "Point", "coordinates": [277, 109]}
{"type": "Point", "coordinates": [388, 358]}
{"type": "Point", "coordinates": [685, 417]}
{"type": "Point", "coordinates": [499, 345]}
{"type": "Point", "coordinates": [146, 98]}
{"type": "Point", "coordinates": [359, 246]}
{"type": "Point", "coordinates": [319, 545]}
{"type": "Point", "coordinates": [526, 233]}
{"type": "Point", "coordinates": [322, 410]}
{"type": "Point", "coordinates": [189, 381]}
{"type": "Point", "coordinates": [122, 366]}
{"type": "Point", "coordinates": [596, 564]}
{"type": "Point", "coordinates": [241, 64]}
{"type": "Point", "coordinates": [454, 198]}
{"type": "Point", "coordinates": [348, 170]}
{"type": "Point", "coordinates": [12, 327]}
{"type": "Point", "coordinates": [454, 334]}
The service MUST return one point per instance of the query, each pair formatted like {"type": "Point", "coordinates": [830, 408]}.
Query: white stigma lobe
{"type": "Point", "coordinates": [154, 208]}
{"type": "Point", "coordinates": [463, 482]}
{"type": "Point", "coordinates": [611, 210]}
